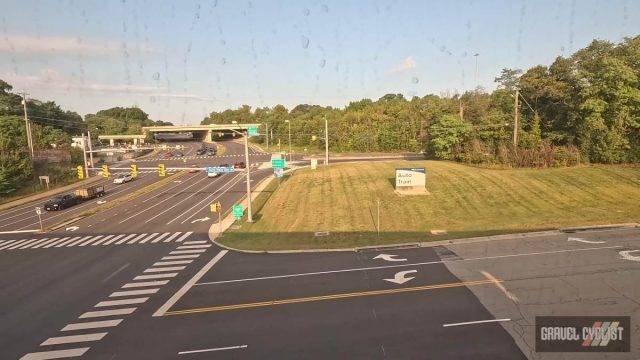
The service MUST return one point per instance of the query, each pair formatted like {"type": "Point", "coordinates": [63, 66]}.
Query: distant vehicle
{"type": "Point", "coordinates": [193, 169]}
{"type": "Point", "coordinates": [61, 202]}
{"type": "Point", "coordinates": [224, 165]}
{"type": "Point", "coordinates": [168, 155]}
{"type": "Point", "coordinates": [213, 174]}
{"type": "Point", "coordinates": [123, 179]}
{"type": "Point", "coordinates": [89, 192]}
{"type": "Point", "coordinates": [239, 165]}
{"type": "Point", "coordinates": [179, 154]}
{"type": "Point", "coordinates": [201, 151]}
{"type": "Point", "coordinates": [211, 152]}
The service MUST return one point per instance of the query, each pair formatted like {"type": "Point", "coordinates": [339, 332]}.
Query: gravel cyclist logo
{"type": "Point", "coordinates": [582, 334]}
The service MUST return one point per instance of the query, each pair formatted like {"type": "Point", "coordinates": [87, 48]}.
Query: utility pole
{"type": "Point", "coordinates": [84, 154]}
{"type": "Point", "coordinates": [515, 119]}
{"type": "Point", "coordinates": [326, 141]}
{"type": "Point", "coordinates": [27, 124]}
{"type": "Point", "coordinates": [461, 109]}
{"type": "Point", "coordinates": [90, 149]}
{"type": "Point", "coordinates": [248, 166]}
{"type": "Point", "coordinates": [266, 133]}
{"type": "Point", "coordinates": [476, 56]}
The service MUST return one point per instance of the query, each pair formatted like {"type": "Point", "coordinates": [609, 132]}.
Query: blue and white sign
{"type": "Point", "coordinates": [279, 172]}
{"type": "Point", "coordinates": [220, 169]}
{"type": "Point", "coordinates": [411, 177]}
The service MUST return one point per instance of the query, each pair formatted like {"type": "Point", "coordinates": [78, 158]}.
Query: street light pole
{"type": "Point", "coordinates": [84, 155]}
{"type": "Point", "coordinates": [326, 141]}
{"type": "Point", "coordinates": [90, 149]}
{"type": "Point", "coordinates": [289, 122]}
{"type": "Point", "coordinates": [248, 166]}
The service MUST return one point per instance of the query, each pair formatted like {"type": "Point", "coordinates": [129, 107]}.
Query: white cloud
{"type": "Point", "coordinates": [407, 64]}
{"type": "Point", "coordinates": [26, 44]}
{"type": "Point", "coordinates": [50, 79]}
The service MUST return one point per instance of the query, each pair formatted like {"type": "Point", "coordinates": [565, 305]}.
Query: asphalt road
{"type": "Point", "coordinates": [142, 281]}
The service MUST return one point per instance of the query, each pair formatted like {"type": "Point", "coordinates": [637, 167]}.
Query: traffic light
{"type": "Point", "coordinates": [215, 207]}
{"type": "Point", "coordinates": [134, 170]}
{"type": "Point", "coordinates": [105, 171]}
{"type": "Point", "coordinates": [162, 170]}
{"type": "Point", "coordinates": [80, 172]}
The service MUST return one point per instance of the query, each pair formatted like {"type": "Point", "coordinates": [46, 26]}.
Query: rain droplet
{"type": "Point", "coordinates": [325, 8]}
{"type": "Point", "coordinates": [223, 61]}
{"type": "Point", "coordinates": [323, 62]}
{"type": "Point", "coordinates": [306, 12]}
{"type": "Point", "coordinates": [305, 41]}
{"type": "Point", "coordinates": [156, 76]}
{"type": "Point", "coordinates": [415, 80]}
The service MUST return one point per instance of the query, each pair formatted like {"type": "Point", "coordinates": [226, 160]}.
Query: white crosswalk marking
{"type": "Point", "coordinates": [148, 238]}
{"type": "Point", "coordinates": [145, 284]}
{"type": "Point", "coordinates": [169, 263]}
{"type": "Point", "coordinates": [95, 238]}
{"type": "Point", "coordinates": [125, 239]}
{"type": "Point", "coordinates": [137, 238]}
{"type": "Point", "coordinates": [179, 252]}
{"type": "Point", "coordinates": [102, 240]}
{"type": "Point", "coordinates": [92, 325]}
{"type": "Point", "coordinates": [178, 257]}
{"type": "Point", "coordinates": [155, 276]}
{"type": "Point", "coordinates": [134, 292]}
{"type": "Point", "coordinates": [32, 244]}
{"type": "Point", "coordinates": [15, 243]}
{"type": "Point", "coordinates": [55, 354]}
{"type": "Point", "coordinates": [163, 269]}
{"type": "Point", "coordinates": [194, 246]}
{"type": "Point", "coordinates": [113, 240]}
{"type": "Point", "coordinates": [8, 243]}
{"type": "Point", "coordinates": [45, 243]}
{"type": "Point", "coordinates": [172, 236]}
{"type": "Point", "coordinates": [73, 339]}
{"type": "Point", "coordinates": [122, 302]}
{"type": "Point", "coordinates": [94, 314]}
{"type": "Point", "coordinates": [56, 242]}
{"type": "Point", "coordinates": [195, 242]}
{"type": "Point", "coordinates": [162, 236]}
{"type": "Point", "coordinates": [186, 235]}
{"type": "Point", "coordinates": [79, 241]}
{"type": "Point", "coordinates": [28, 243]}
{"type": "Point", "coordinates": [68, 242]}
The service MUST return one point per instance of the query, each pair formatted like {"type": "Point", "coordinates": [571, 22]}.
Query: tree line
{"type": "Point", "coordinates": [579, 109]}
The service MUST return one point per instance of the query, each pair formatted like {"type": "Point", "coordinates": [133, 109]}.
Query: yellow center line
{"type": "Point", "coordinates": [330, 297]}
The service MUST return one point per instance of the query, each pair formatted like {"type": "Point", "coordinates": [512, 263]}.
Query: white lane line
{"type": "Point", "coordinates": [79, 241]}
{"type": "Point", "coordinates": [122, 302]}
{"type": "Point", "coordinates": [500, 286]}
{"type": "Point", "coordinates": [73, 339]}
{"type": "Point", "coordinates": [195, 242]}
{"type": "Point", "coordinates": [212, 197]}
{"type": "Point", "coordinates": [216, 191]}
{"type": "Point", "coordinates": [55, 354]}
{"type": "Point", "coordinates": [155, 276]}
{"type": "Point", "coordinates": [102, 240]}
{"type": "Point", "coordinates": [52, 240]}
{"type": "Point", "coordinates": [92, 325]}
{"type": "Point", "coordinates": [134, 292]}
{"type": "Point", "coordinates": [68, 242]}
{"type": "Point", "coordinates": [475, 322]}
{"type": "Point", "coordinates": [95, 238]}
{"type": "Point", "coordinates": [179, 257]}
{"type": "Point", "coordinates": [101, 313]}
{"type": "Point", "coordinates": [170, 263]}
{"type": "Point", "coordinates": [64, 239]}
{"type": "Point", "coordinates": [163, 269]}
{"type": "Point", "coordinates": [144, 284]}
{"type": "Point", "coordinates": [126, 238]}
{"type": "Point", "coordinates": [213, 349]}
{"type": "Point", "coordinates": [137, 238]}
{"type": "Point", "coordinates": [180, 293]}
{"type": "Point", "coordinates": [180, 252]}
{"type": "Point", "coordinates": [148, 238]}
{"type": "Point", "coordinates": [172, 236]}
{"type": "Point", "coordinates": [116, 272]}
{"type": "Point", "coordinates": [194, 246]}
{"type": "Point", "coordinates": [27, 244]}
{"type": "Point", "coordinates": [186, 235]}
{"type": "Point", "coordinates": [113, 240]}
{"type": "Point", "coordinates": [162, 236]}
{"type": "Point", "coordinates": [406, 265]}
{"type": "Point", "coordinates": [19, 242]}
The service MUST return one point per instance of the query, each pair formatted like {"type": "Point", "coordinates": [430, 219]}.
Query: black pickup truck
{"type": "Point", "coordinates": [60, 202]}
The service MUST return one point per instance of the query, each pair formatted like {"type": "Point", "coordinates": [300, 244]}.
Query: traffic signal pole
{"type": "Point", "coordinates": [248, 166]}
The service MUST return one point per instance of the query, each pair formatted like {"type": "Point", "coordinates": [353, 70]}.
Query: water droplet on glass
{"type": "Point", "coordinates": [325, 8]}
{"type": "Point", "coordinates": [323, 62]}
{"type": "Point", "coordinates": [223, 61]}
{"type": "Point", "coordinates": [305, 41]}
{"type": "Point", "coordinates": [306, 12]}
{"type": "Point", "coordinates": [156, 76]}
{"type": "Point", "coordinates": [415, 80]}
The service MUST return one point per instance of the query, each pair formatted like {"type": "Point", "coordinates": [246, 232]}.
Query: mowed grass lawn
{"type": "Point", "coordinates": [465, 201]}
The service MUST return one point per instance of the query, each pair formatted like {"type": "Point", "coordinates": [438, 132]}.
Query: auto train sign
{"type": "Point", "coordinates": [410, 178]}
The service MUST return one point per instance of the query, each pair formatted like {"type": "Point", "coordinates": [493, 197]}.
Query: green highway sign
{"type": "Point", "coordinates": [277, 163]}
{"type": "Point", "coordinates": [237, 211]}
{"type": "Point", "coordinates": [252, 131]}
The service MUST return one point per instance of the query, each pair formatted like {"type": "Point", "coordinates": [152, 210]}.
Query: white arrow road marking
{"type": "Point", "coordinates": [388, 257]}
{"type": "Point", "coordinates": [177, 181]}
{"type": "Point", "coordinates": [101, 201]}
{"type": "Point", "coordinates": [200, 220]}
{"type": "Point", "coordinates": [627, 255]}
{"type": "Point", "coordinates": [585, 241]}
{"type": "Point", "coordinates": [72, 228]}
{"type": "Point", "coordinates": [399, 278]}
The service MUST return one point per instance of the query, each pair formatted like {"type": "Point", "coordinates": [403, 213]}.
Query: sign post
{"type": "Point", "coordinates": [411, 181]}
{"type": "Point", "coordinates": [39, 212]}
{"type": "Point", "coordinates": [217, 208]}
{"type": "Point", "coordinates": [252, 131]}
{"type": "Point", "coordinates": [237, 211]}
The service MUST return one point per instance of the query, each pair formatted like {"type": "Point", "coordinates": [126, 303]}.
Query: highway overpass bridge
{"type": "Point", "coordinates": [203, 132]}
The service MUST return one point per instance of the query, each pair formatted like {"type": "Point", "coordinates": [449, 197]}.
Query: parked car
{"type": "Point", "coordinates": [123, 179]}
{"type": "Point", "coordinates": [239, 165]}
{"type": "Point", "coordinates": [60, 202]}
{"type": "Point", "coordinates": [201, 151]}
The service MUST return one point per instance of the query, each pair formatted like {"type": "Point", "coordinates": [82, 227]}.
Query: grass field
{"type": "Point", "coordinates": [465, 201]}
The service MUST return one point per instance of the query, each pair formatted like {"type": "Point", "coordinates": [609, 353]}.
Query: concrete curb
{"type": "Point", "coordinates": [48, 193]}
{"type": "Point", "coordinates": [598, 227]}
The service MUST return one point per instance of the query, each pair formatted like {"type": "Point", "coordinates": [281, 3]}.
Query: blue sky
{"type": "Point", "coordinates": [180, 61]}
